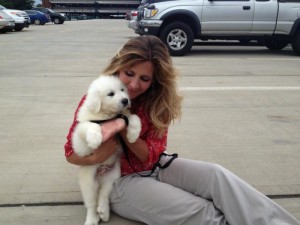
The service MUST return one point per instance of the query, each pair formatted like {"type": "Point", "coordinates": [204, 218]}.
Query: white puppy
{"type": "Point", "coordinates": [107, 96]}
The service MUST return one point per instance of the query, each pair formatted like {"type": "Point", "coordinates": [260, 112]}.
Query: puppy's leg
{"type": "Point", "coordinates": [79, 141]}
{"type": "Point", "coordinates": [107, 182]}
{"type": "Point", "coordinates": [103, 207]}
{"type": "Point", "coordinates": [87, 137]}
{"type": "Point", "coordinates": [93, 135]}
{"type": "Point", "coordinates": [134, 128]}
{"type": "Point", "coordinates": [89, 189]}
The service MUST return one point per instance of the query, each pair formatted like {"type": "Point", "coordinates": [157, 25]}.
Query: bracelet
{"type": "Point", "coordinates": [121, 116]}
{"type": "Point", "coordinates": [125, 118]}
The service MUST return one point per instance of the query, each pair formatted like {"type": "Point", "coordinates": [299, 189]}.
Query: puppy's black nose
{"type": "Point", "coordinates": [125, 101]}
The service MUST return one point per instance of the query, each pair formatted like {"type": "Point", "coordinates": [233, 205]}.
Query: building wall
{"type": "Point", "coordinates": [93, 8]}
{"type": "Point", "coordinates": [46, 3]}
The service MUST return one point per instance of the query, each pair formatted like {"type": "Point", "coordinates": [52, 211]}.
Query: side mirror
{"type": "Point", "coordinates": [150, 6]}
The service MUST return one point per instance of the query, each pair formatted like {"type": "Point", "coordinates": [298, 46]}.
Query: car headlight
{"type": "Point", "coordinates": [148, 13]}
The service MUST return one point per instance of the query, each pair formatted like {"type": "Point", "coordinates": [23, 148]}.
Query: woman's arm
{"type": "Point", "coordinates": [106, 149]}
{"type": "Point", "coordinates": [138, 148]}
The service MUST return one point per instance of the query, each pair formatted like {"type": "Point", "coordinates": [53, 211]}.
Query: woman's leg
{"type": "Point", "coordinates": [152, 202]}
{"type": "Point", "coordinates": [240, 203]}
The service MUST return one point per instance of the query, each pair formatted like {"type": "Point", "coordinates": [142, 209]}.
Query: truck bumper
{"type": "Point", "coordinates": [148, 27]}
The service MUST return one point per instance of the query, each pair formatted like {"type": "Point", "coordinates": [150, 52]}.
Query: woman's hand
{"type": "Point", "coordinates": [111, 128]}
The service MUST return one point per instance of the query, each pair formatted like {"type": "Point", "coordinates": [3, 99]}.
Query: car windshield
{"type": "Point", "coordinates": [143, 2]}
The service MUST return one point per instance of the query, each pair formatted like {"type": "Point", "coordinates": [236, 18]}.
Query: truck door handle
{"type": "Point", "coordinates": [246, 7]}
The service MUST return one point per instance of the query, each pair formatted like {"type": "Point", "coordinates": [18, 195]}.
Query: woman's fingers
{"type": "Point", "coordinates": [111, 128]}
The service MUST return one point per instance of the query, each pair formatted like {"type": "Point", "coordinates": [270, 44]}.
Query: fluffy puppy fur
{"type": "Point", "coordinates": [107, 96]}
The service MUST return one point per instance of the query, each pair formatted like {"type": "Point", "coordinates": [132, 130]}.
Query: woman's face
{"type": "Point", "coordinates": [137, 78]}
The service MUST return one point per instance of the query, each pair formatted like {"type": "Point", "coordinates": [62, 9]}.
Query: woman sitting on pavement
{"type": "Point", "coordinates": [186, 191]}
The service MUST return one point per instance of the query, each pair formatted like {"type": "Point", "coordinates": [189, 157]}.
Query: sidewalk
{"type": "Point", "coordinates": [44, 71]}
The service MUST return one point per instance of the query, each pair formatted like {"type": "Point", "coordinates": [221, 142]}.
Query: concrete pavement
{"type": "Point", "coordinates": [241, 110]}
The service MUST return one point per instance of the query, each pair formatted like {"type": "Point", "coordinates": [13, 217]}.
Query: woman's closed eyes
{"type": "Point", "coordinates": [144, 78]}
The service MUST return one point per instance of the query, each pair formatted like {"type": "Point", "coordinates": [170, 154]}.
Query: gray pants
{"type": "Point", "coordinates": [194, 193]}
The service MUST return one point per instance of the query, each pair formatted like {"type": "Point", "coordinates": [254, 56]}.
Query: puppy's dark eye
{"type": "Point", "coordinates": [111, 94]}
{"type": "Point", "coordinates": [122, 89]}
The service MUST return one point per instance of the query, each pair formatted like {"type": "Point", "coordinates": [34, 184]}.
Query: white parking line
{"type": "Point", "coordinates": [275, 58]}
{"type": "Point", "coordinates": [250, 88]}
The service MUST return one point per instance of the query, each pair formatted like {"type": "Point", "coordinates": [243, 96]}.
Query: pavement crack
{"type": "Point", "coordinates": [39, 204]}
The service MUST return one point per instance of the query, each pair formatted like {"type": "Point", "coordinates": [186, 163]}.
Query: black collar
{"type": "Point", "coordinates": [121, 116]}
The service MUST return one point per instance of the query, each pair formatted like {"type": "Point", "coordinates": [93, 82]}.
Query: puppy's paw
{"type": "Point", "coordinates": [104, 211]}
{"type": "Point", "coordinates": [92, 219]}
{"type": "Point", "coordinates": [95, 222]}
{"type": "Point", "coordinates": [94, 137]}
{"type": "Point", "coordinates": [134, 128]}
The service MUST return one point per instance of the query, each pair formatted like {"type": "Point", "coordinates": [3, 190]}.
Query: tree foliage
{"type": "Point", "coordinates": [17, 4]}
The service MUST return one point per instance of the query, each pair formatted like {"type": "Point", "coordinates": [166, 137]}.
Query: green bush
{"type": "Point", "coordinates": [17, 4]}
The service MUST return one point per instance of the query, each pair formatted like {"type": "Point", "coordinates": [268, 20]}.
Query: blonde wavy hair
{"type": "Point", "coordinates": [162, 100]}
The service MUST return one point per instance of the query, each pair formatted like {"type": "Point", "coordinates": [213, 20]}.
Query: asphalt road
{"type": "Point", "coordinates": [241, 110]}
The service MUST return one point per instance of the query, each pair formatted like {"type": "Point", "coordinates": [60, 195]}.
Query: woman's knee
{"type": "Point", "coordinates": [215, 168]}
{"type": "Point", "coordinates": [216, 172]}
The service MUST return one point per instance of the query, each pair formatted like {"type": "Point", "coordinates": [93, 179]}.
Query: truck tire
{"type": "Point", "coordinates": [276, 44]}
{"type": "Point", "coordinates": [178, 37]}
{"type": "Point", "coordinates": [296, 43]}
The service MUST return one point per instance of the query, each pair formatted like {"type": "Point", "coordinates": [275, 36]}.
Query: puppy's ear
{"type": "Point", "coordinates": [93, 100]}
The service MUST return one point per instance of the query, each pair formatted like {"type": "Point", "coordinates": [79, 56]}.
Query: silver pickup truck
{"type": "Point", "coordinates": [275, 23]}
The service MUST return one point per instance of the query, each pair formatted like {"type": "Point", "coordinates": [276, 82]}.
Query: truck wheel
{"type": "Point", "coordinates": [296, 43]}
{"type": "Point", "coordinates": [276, 44]}
{"type": "Point", "coordinates": [178, 37]}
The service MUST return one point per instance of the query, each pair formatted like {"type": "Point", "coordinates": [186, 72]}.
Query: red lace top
{"type": "Point", "coordinates": [156, 145]}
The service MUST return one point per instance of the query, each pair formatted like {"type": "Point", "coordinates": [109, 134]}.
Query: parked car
{"type": "Point", "coordinates": [55, 17]}
{"type": "Point", "coordinates": [21, 18]}
{"type": "Point", "coordinates": [26, 17]}
{"type": "Point", "coordinates": [7, 23]}
{"type": "Point", "coordinates": [37, 17]}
